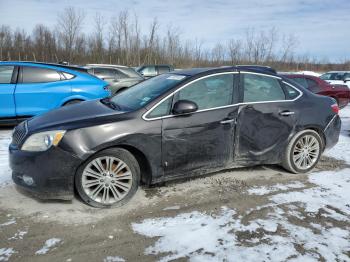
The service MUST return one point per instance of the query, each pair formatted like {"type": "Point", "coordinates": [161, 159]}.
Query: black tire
{"type": "Point", "coordinates": [72, 102]}
{"type": "Point", "coordinates": [121, 154]}
{"type": "Point", "coordinates": [288, 162]}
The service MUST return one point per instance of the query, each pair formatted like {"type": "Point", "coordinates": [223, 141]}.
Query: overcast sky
{"type": "Point", "coordinates": [321, 26]}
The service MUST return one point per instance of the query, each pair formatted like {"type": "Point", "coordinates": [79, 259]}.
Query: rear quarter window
{"type": "Point", "coordinates": [291, 92]}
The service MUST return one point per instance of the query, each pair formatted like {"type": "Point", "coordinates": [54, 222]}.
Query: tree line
{"type": "Point", "coordinates": [123, 41]}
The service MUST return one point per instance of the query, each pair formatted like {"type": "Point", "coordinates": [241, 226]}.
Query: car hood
{"type": "Point", "coordinates": [73, 116]}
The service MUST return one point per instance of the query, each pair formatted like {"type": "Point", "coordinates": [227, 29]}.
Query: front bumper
{"type": "Point", "coordinates": [51, 172]}
{"type": "Point", "coordinates": [332, 131]}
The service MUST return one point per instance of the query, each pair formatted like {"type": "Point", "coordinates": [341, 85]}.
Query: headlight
{"type": "Point", "coordinates": [43, 140]}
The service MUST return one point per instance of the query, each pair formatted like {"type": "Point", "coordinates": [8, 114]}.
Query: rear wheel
{"type": "Point", "coordinates": [303, 152]}
{"type": "Point", "coordinates": [110, 178]}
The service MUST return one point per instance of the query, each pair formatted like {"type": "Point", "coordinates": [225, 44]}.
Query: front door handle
{"type": "Point", "coordinates": [227, 121]}
{"type": "Point", "coordinates": [286, 113]}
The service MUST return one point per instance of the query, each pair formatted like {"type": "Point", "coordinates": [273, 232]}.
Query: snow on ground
{"type": "Point", "coordinates": [18, 235]}
{"type": "Point", "coordinates": [113, 259]}
{"type": "Point", "coordinates": [172, 208]}
{"type": "Point", "coordinates": [263, 190]}
{"type": "Point", "coordinates": [5, 173]}
{"type": "Point", "coordinates": [50, 243]}
{"type": "Point", "coordinates": [6, 253]}
{"type": "Point", "coordinates": [302, 223]}
{"type": "Point", "coordinates": [10, 222]}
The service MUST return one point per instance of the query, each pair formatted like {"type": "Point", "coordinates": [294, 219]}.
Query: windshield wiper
{"type": "Point", "coordinates": [108, 102]}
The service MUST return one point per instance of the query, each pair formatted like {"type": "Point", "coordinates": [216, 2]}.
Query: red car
{"type": "Point", "coordinates": [341, 93]}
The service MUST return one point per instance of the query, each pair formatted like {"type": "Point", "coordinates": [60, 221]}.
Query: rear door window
{"type": "Point", "coordinates": [39, 75]}
{"type": "Point", "coordinates": [259, 88]}
{"type": "Point", "coordinates": [6, 74]}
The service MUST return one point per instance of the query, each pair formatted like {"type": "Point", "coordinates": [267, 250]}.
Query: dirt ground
{"type": "Point", "coordinates": [89, 234]}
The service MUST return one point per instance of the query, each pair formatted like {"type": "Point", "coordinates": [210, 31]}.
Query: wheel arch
{"type": "Point", "coordinates": [145, 167]}
{"type": "Point", "coordinates": [71, 98]}
{"type": "Point", "coordinates": [318, 130]}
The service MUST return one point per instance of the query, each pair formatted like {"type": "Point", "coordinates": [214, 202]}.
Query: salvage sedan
{"type": "Point", "coordinates": [175, 125]}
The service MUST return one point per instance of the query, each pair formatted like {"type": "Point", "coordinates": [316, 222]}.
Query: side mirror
{"type": "Point", "coordinates": [346, 79]}
{"type": "Point", "coordinates": [184, 107]}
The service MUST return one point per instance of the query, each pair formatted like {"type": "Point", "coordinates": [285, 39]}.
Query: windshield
{"type": "Point", "coordinates": [332, 76]}
{"type": "Point", "coordinates": [145, 92]}
{"type": "Point", "coordinates": [326, 76]}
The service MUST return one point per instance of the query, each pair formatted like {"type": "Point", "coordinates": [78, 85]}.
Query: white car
{"type": "Point", "coordinates": [337, 77]}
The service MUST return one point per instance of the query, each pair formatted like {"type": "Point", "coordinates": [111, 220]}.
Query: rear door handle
{"type": "Point", "coordinates": [286, 113]}
{"type": "Point", "coordinates": [227, 121]}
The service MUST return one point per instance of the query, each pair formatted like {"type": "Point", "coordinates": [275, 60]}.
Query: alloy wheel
{"type": "Point", "coordinates": [306, 152]}
{"type": "Point", "coordinates": [107, 180]}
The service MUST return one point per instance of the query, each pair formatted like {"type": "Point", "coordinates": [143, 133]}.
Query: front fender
{"type": "Point", "coordinates": [85, 142]}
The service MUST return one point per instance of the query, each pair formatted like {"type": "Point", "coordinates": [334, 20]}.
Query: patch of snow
{"type": "Point", "coordinates": [224, 236]}
{"type": "Point", "coordinates": [172, 208]}
{"type": "Point", "coordinates": [263, 190]}
{"type": "Point", "coordinates": [19, 235]}
{"type": "Point", "coordinates": [6, 253]}
{"type": "Point", "coordinates": [10, 222]}
{"type": "Point", "coordinates": [5, 172]}
{"type": "Point", "coordinates": [113, 259]}
{"type": "Point", "coordinates": [332, 190]}
{"type": "Point", "coordinates": [48, 244]}
{"type": "Point", "coordinates": [205, 237]}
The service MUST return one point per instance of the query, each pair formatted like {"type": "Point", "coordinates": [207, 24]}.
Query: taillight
{"type": "Point", "coordinates": [335, 108]}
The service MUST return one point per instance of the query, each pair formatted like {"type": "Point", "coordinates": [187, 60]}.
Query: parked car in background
{"type": "Point", "coordinates": [310, 73]}
{"type": "Point", "coordinates": [176, 125]}
{"type": "Point", "coordinates": [28, 89]}
{"type": "Point", "coordinates": [341, 93]}
{"type": "Point", "coordinates": [153, 70]}
{"type": "Point", "coordinates": [119, 77]}
{"type": "Point", "coordinates": [337, 77]}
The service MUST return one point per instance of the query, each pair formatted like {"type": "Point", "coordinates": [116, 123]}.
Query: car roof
{"type": "Point", "coordinates": [246, 68]}
{"type": "Point", "coordinates": [50, 65]}
{"type": "Point", "coordinates": [156, 65]}
{"type": "Point", "coordinates": [105, 65]}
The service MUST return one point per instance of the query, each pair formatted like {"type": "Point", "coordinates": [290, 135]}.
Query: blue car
{"type": "Point", "coordinates": [28, 89]}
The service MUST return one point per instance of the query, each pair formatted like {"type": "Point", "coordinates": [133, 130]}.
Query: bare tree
{"type": "Point", "coordinates": [69, 25]}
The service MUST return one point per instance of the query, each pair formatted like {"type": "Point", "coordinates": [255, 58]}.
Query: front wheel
{"type": "Point", "coordinates": [109, 178]}
{"type": "Point", "coordinates": [303, 152]}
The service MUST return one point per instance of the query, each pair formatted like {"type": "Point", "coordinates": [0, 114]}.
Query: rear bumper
{"type": "Point", "coordinates": [332, 131]}
{"type": "Point", "coordinates": [50, 173]}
